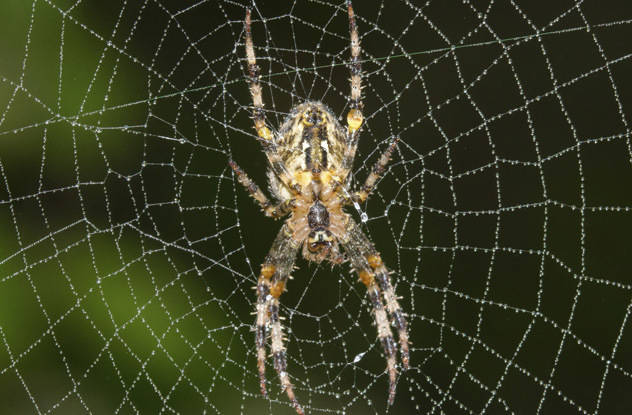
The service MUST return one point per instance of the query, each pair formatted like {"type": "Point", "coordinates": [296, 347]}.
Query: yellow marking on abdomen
{"type": "Point", "coordinates": [303, 178]}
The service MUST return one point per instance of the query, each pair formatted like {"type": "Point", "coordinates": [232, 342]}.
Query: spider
{"type": "Point", "coordinates": [310, 159]}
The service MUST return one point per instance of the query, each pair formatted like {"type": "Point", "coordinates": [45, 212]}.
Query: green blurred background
{"type": "Point", "coordinates": [128, 252]}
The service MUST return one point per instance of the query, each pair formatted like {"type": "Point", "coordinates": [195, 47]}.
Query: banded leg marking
{"type": "Point", "coordinates": [384, 333]}
{"type": "Point", "coordinates": [374, 275]}
{"type": "Point", "coordinates": [255, 87]}
{"type": "Point", "coordinates": [265, 134]}
{"type": "Point", "coordinates": [377, 172]}
{"type": "Point", "coordinates": [274, 274]}
{"type": "Point", "coordinates": [398, 317]}
{"type": "Point", "coordinates": [275, 211]}
{"type": "Point", "coordinates": [261, 329]}
{"type": "Point", "coordinates": [278, 352]}
{"type": "Point", "coordinates": [354, 117]}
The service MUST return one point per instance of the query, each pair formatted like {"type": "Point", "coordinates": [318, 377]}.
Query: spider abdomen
{"type": "Point", "coordinates": [311, 138]}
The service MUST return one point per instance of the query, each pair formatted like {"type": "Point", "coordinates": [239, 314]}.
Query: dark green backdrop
{"type": "Point", "coordinates": [128, 251]}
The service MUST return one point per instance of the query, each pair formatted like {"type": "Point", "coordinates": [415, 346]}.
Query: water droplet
{"type": "Point", "coordinates": [358, 357]}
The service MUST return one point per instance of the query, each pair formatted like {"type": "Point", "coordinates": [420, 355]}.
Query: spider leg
{"type": "Point", "coordinates": [384, 332]}
{"type": "Point", "coordinates": [354, 116]}
{"type": "Point", "coordinates": [275, 272]}
{"type": "Point", "coordinates": [266, 137]}
{"type": "Point", "coordinates": [278, 350]}
{"type": "Point", "coordinates": [377, 172]}
{"type": "Point", "coordinates": [270, 209]}
{"type": "Point", "coordinates": [398, 319]}
{"type": "Point", "coordinates": [255, 87]}
{"type": "Point", "coordinates": [373, 274]}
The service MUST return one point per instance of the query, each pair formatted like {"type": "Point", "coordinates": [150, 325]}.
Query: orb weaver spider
{"type": "Point", "coordinates": [310, 160]}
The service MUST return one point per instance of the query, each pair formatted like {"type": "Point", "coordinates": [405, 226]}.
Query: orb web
{"type": "Point", "coordinates": [128, 250]}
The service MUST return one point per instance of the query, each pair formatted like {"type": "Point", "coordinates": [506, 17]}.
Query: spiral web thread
{"type": "Point", "coordinates": [128, 250]}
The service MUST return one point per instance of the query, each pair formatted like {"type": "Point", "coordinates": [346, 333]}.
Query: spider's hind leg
{"type": "Point", "coordinates": [354, 117]}
{"type": "Point", "coordinates": [255, 87]}
{"type": "Point", "coordinates": [266, 136]}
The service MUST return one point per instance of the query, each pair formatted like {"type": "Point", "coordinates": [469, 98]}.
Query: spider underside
{"type": "Point", "coordinates": [310, 159]}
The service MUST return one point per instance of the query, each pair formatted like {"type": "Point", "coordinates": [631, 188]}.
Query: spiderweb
{"type": "Point", "coordinates": [128, 250]}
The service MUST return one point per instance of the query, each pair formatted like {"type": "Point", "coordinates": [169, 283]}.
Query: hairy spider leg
{"type": "Point", "coordinates": [373, 274]}
{"type": "Point", "coordinates": [377, 172]}
{"type": "Point", "coordinates": [275, 272]}
{"type": "Point", "coordinates": [354, 116]}
{"type": "Point", "coordinates": [278, 350]}
{"type": "Point", "coordinates": [255, 87]}
{"type": "Point", "coordinates": [269, 209]}
{"type": "Point", "coordinates": [265, 134]}
{"type": "Point", "coordinates": [398, 318]}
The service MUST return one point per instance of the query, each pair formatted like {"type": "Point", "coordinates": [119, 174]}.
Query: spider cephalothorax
{"type": "Point", "coordinates": [310, 159]}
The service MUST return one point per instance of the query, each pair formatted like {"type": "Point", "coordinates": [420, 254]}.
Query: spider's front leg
{"type": "Point", "coordinates": [374, 275]}
{"type": "Point", "coordinates": [275, 272]}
